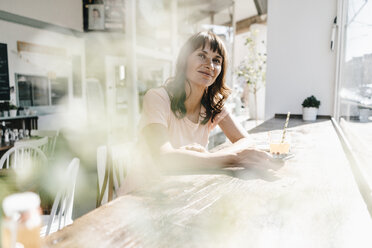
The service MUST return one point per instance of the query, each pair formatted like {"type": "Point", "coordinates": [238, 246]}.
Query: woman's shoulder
{"type": "Point", "coordinates": [159, 93]}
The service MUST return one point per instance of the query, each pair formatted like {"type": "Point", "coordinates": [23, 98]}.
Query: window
{"type": "Point", "coordinates": [32, 90]}
{"type": "Point", "coordinates": [355, 89]}
{"type": "Point", "coordinates": [38, 91]}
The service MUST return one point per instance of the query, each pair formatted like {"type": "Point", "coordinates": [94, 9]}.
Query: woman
{"type": "Point", "coordinates": [178, 117]}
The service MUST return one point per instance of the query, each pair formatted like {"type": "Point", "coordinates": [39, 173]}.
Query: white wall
{"type": "Point", "coordinates": [300, 62]}
{"type": "Point", "coordinates": [40, 64]}
{"type": "Point", "coordinates": [65, 13]}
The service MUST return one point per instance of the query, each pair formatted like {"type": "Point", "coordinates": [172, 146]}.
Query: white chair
{"type": "Point", "coordinates": [23, 156]}
{"type": "Point", "coordinates": [41, 143]}
{"type": "Point", "coordinates": [102, 196]}
{"type": "Point", "coordinates": [52, 139]}
{"type": "Point", "coordinates": [120, 157]}
{"type": "Point", "coordinates": [61, 213]}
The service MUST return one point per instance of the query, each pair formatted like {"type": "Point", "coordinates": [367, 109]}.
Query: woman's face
{"type": "Point", "coordinates": [203, 66]}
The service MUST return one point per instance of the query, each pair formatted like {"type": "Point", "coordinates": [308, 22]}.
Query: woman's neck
{"type": "Point", "coordinates": [193, 98]}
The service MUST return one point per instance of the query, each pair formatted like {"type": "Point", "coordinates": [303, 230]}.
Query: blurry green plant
{"type": "Point", "coordinates": [311, 102]}
{"type": "Point", "coordinates": [12, 106]}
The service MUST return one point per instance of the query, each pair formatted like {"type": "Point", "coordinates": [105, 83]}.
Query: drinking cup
{"type": "Point", "coordinates": [277, 144]}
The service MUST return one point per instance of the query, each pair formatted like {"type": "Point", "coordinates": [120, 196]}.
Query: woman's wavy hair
{"type": "Point", "coordinates": [215, 96]}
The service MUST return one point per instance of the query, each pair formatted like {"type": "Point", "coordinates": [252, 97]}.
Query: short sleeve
{"type": "Point", "coordinates": [218, 118]}
{"type": "Point", "coordinates": [156, 108]}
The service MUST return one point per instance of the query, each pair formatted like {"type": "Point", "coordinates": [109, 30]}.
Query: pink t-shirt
{"type": "Point", "coordinates": [181, 132]}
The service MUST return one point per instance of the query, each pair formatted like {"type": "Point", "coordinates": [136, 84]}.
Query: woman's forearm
{"type": "Point", "coordinates": [181, 159]}
{"type": "Point", "coordinates": [177, 159]}
{"type": "Point", "coordinates": [237, 146]}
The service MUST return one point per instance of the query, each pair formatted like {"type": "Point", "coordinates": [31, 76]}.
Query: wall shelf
{"type": "Point", "coordinates": [21, 122]}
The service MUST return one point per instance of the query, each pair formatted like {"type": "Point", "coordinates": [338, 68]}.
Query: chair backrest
{"type": "Point", "coordinates": [41, 143]}
{"type": "Point", "coordinates": [63, 203]}
{"type": "Point", "coordinates": [101, 170]}
{"type": "Point", "coordinates": [121, 158]}
{"type": "Point", "coordinates": [22, 156]}
{"type": "Point", "coordinates": [52, 139]}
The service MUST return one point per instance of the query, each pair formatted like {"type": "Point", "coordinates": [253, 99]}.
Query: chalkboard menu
{"type": "Point", "coordinates": [4, 73]}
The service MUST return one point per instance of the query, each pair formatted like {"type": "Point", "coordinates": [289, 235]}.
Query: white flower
{"type": "Point", "coordinates": [253, 68]}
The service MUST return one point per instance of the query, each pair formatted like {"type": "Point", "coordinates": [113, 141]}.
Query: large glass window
{"type": "Point", "coordinates": [32, 90]}
{"type": "Point", "coordinates": [39, 91]}
{"type": "Point", "coordinates": [355, 92]}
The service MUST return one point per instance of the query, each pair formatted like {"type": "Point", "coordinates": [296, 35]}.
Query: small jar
{"type": "Point", "coordinates": [27, 133]}
{"type": "Point", "coordinates": [15, 134]}
{"type": "Point", "coordinates": [6, 136]}
{"type": "Point", "coordinates": [20, 134]}
{"type": "Point", "coordinates": [22, 221]}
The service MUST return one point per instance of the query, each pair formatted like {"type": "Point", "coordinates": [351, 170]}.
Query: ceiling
{"type": "Point", "coordinates": [192, 11]}
{"type": "Point", "coordinates": [154, 16]}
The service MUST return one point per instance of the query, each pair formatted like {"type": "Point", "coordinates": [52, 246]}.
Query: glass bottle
{"type": "Point", "coordinates": [22, 221]}
{"type": "Point", "coordinates": [3, 128]}
{"type": "Point", "coordinates": [15, 134]}
{"type": "Point", "coordinates": [27, 134]}
{"type": "Point", "coordinates": [11, 135]}
{"type": "Point", "coordinates": [6, 136]}
{"type": "Point", "coordinates": [20, 132]}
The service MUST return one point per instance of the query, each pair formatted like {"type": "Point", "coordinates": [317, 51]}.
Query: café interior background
{"type": "Point", "coordinates": [83, 66]}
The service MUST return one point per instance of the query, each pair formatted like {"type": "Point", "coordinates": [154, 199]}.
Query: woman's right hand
{"type": "Point", "coordinates": [251, 155]}
{"type": "Point", "coordinates": [255, 157]}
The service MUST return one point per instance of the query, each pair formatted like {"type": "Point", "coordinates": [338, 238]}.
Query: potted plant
{"type": "Point", "coordinates": [310, 108]}
{"type": "Point", "coordinates": [13, 110]}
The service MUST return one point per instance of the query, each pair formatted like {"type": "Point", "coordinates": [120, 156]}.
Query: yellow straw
{"type": "Point", "coordinates": [285, 127]}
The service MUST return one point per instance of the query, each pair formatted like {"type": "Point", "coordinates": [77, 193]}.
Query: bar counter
{"type": "Point", "coordinates": [312, 200]}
